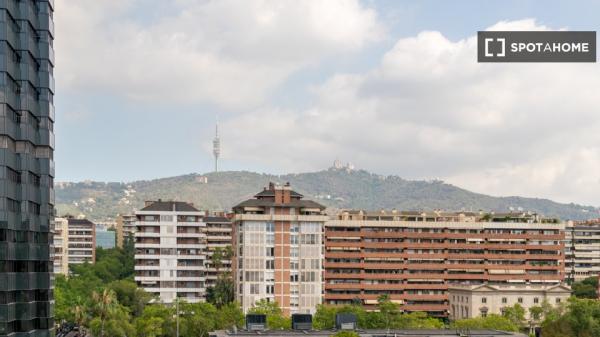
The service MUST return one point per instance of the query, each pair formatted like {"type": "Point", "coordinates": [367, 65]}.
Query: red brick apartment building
{"type": "Point", "coordinates": [278, 250]}
{"type": "Point", "coordinates": [414, 256]}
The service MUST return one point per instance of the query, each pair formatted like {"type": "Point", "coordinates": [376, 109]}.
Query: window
{"type": "Point", "coordinates": [558, 300]}
{"type": "Point", "coordinates": [293, 251]}
{"type": "Point", "coordinates": [270, 264]}
{"type": "Point", "coordinates": [520, 299]}
{"type": "Point", "coordinates": [168, 218]}
{"type": "Point", "coordinates": [270, 289]}
{"type": "Point", "coordinates": [483, 300]}
{"type": "Point", "coordinates": [535, 300]}
{"type": "Point", "coordinates": [270, 251]}
{"type": "Point", "coordinates": [504, 301]}
{"type": "Point", "coordinates": [270, 227]}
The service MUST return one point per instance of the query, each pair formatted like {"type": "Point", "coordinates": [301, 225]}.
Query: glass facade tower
{"type": "Point", "coordinates": [26, 167]}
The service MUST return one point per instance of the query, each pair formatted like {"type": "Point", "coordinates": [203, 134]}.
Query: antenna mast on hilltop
{"type": "Point", "coordinates": [217, 145]}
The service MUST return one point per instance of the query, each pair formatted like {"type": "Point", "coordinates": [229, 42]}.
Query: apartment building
{"type": "Point", "coordinates": [60, 238]}
{"type": "Point", "coordinates": [415, 256]}
{"type": "Point", "coordinates": [468, 301]}
{"type": "Point", "coordinates": [125, 228]}
{"type": "Point", "coordinates": [74, 243]}
{"type": "Point", "coordinates": [582, 249]}
{"type": "Point", "coordinates": [278, 250]}
{"type": "Point", "coordinates": [170, 251]}
{"type": "Point", "coordinates": [218, 237]}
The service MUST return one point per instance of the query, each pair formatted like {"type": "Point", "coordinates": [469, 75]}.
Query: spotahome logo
{"type": "Point", "coordinates": [528, 46]}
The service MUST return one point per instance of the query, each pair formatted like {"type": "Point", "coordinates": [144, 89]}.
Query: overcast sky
{"type": "Point", "coordinates": [391, 86]}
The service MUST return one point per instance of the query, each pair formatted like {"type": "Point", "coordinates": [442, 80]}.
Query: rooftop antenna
{"type": "Point", "coordinates": [217, 145]}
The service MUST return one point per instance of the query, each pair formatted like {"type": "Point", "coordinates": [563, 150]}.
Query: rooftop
{"type": "Point", "coordinates": [79, 222]}
{"type": "Point", "coordinates": [280, 196]}
{"type": "Point", "coordinates": [169, 206]}
{"type": "Point", "coordinates": [439, 215]}
{"type": "Point", "coordinates": [511, 287]}
{"type": "Point", "coordinates": [216, 219]}
{"type": "Point", "coordinates": [293, 203]}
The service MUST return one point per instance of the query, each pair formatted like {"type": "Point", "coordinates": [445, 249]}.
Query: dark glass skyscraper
{"type": "Point", "coordinates": [26, 167]}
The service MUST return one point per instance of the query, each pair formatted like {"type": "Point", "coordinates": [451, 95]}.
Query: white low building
{"type": "Point", "coordinates": [468, 301]}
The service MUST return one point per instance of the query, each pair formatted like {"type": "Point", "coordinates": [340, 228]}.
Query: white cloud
{"type": "Point", "coordinates": [229, 53]}
{"type": "Point", "coordinates": [429, 110]}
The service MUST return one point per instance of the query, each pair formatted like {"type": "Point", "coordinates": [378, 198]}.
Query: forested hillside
{"type": "Point", "coordinates": [335, 188]}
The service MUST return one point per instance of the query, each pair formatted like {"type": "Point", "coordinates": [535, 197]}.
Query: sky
{"type": "Point", "coordinates": [390, 86]}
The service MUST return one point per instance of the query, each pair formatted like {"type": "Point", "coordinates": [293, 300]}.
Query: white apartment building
{"type": "Point", "coordinates": [74, 243]}
{"type": "Point", "coordinates": [170, 251]}
{"type": "Point", "coordinates": [218, 236]}
{"type": "Point", "coordinates": [582, 249]}
{"type": "Point", "coordinates": [278, 245]}
{"type": "Point", "coordinates": [468, 301]}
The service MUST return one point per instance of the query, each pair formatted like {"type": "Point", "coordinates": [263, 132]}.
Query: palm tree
{"type": "Point", "coordinates": [80, 315]}
{"type": "Point", "coordinates": [217, 258]}
{"type": "Point", "coordinates": [105, 305]}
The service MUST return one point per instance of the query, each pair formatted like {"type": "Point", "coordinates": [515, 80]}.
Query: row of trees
{"type": "Point", "coordinates": [388, 316]}
{"type": "Point", "coordinates": [576, 318]}
{"type": "Point", "coordinates": [104, 299]}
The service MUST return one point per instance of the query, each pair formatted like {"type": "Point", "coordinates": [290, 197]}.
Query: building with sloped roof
{"type": "Point", "coordinates": [170, 251]}
{"type": "Point", "coordinates": [468, 301]}
{"type": "Point", "coordinates": [278, 252]}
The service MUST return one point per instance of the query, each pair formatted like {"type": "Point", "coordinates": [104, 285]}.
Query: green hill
{"type": "Point", "coordinates": [335, 188]}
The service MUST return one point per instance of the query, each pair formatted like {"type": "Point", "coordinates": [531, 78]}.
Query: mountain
{"type": "Point", "coordinates": [335, 188]}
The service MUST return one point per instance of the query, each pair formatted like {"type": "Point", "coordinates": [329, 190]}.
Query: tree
{"type": "Point", "coordinates": [275, 318]}
{"type": "Point", "coordinates": [129, 295]}
{"type": "Point", "coordinates": [109, 318]}
{"type": "Point", "coordinates": [217, 258]}
{"type": "Point", "coordinates": [388, 310]}
{"type": "Point", "coordinates": [587, 288]}
{"type": "Point", "coordinates": [144, 323]}
{"type": "Point", "coordinates": [105, 307]}
{"type": "Point", "coordinates": [198, 319]}
{"type": "Point", "coordinates": [491, 321]}
{"type": "Point", "coordinates": [418, 320]}
{"type": "Point", "coordinates": [222, 292]}
{"type": "Point", "coordinates": [149, 326]}
{"type": "Point", "coordinates": [580, 318]}
{"type": "Point", "coordinates": [231, 314]}
{"type": "Point", "coordinates": [536, 313]}
{"type": "Point", "coordinates": [324, 317]}
{"type": "Point", "coordinates": [387, 317]}
{"type": "Point", "coordinates": [516, 314]}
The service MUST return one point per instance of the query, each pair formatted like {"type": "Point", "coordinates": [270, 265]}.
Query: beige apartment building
{"type": "Point", "coordinates": [218, 236]}
{"type": "Point", "coordinates": [125, 228]}
{"type": "Point", "coordinates": [74, 243]}
{"type": "Point", "coordinates": [170, 251]}
{"type": "Point", "coordinates": [468, 301]}
{"type": "Point", "coordinates": [60, 238]}
{"type": "Point", "coordinates": [278, 250]}
{"type": "Point", "coordinates": [582, 249]}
